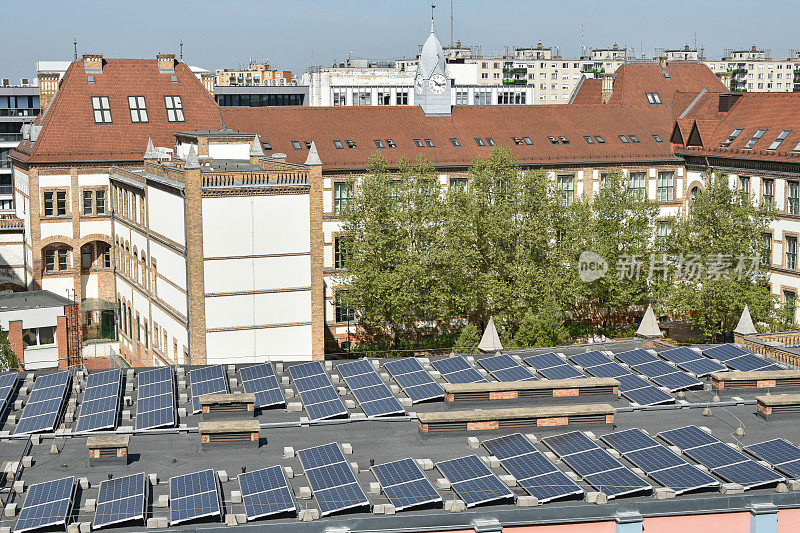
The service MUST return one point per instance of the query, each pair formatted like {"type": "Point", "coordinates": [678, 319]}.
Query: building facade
{"type": "Point", "coordinates": [254, 74]}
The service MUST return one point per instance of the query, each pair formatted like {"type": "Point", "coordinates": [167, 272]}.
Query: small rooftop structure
{"type": "Point", "coordinates": [649, 325]}
{"type": "Point", "coordinates": [745, 325]}
{"type": "Point", "coordinates": [490, 342]}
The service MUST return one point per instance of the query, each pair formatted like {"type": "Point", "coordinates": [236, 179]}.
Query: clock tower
{"type": "Point", "coordinates": [432, 84]}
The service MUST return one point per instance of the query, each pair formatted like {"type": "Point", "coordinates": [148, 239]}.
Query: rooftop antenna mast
{"type": "Point", "coordinates": [75, 48]}
{"type": "Point", "coordinates": [181, 44]}
{"type": "Point", "coordinates": [433, 6]}
{"type": "Point", "coordinates": [451, 23]}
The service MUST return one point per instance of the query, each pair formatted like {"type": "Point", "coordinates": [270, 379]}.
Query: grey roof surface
{"type": "Point", "coordinates": [16, 301]}
{"type": "Point", "coordinates": [176, 451]}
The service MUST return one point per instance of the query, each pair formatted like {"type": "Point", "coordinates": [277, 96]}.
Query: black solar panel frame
{"type": "Point", "coordinates": [403, 378]}
{"type": "Point", "coordinates": [110, 403]}
{"type": "Point", "coordinates": [109, 502]}
{"type": "Point", "coordinates": [148, 376]}
{"type": "Point", "coordinates": [418, 480]}
{"type": "Point", "coordinates": [248, 495]}
{"type": "Point", "coordinates": [382, 395]}
{"type": "Point", "coordinates": [254, 376]}
{"type": "Point", "coordinates": [328, 456]}
{"type": "Point", "coordinates": [314, 398]}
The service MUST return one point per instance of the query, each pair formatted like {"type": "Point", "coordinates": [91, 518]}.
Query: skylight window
{"type": "Point", "coordinates": [307, 144]}
{"type": "Point", "coordinates": [296, 145]}
{"type": "Point", "coordinates": [479, 141]}
{"type": "Point", "coordinates": [138, 109]}
{"type": "Point", "coordinates": [563, 139]}
{"type": "Point", "coordinates": [350, 144]}
{"type": "Point", "coordinates": [634, 139]}
{"type": "Point", "coordinates": [623, 139]}
{"type": "Point", "coordinates": [517, 141]}
{"type": "Point", "coordinates": [379, 143]}
{"type": "Point", "coordinates": [777, 142]}
{"type": "Point", "coordinates": [657, 138]}
{"type": "Point", "coordinates": [589, 139]}
{"type": "Point", "coordinates": [337, 144]}
{"type": "Point", "coordinates": [732, 137]}
{"type": "Point", "coordinates": [418, 142]}
{"type": "Point", "coordinates": [102, 110]}
{"type": "Point", "coordinates": [528, 141]}
{"type": "Point", "coordinates": [454, 141]}
{"type": "Point", "coordinates": [490, 141]}
{"type": "Point", "coordinates": [266, 145]}
{"type": "Point", "coordinates": [599, 139]}
{"type": "Point", "coordinates": [752, 142]}
{"type": "Point", "coordinates": [390, 143]}
{"type": "Point", "coordinates": [429, 143]}
{"type": "Point", "coordinates": [553, 140]}
{"type": "Point", "coordinates": [653, 98]}
{"type": "Point", "coordinates": [174, 108]}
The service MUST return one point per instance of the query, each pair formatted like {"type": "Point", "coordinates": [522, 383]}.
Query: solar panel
{"type": "Point", "coordinates": [658, 462]}
{"type": "Point", "coordinates": [552, 366]}
{"type": "Point", "coordinates": [739, 358]}
{"type": "Point", "coordinates": [100, 400]}
{"type": "Point", "coordinates": [44, 403]}
{"type": "Point", "coordinates": [532, 470]}
{"type": "Point", "coordinates": [405, 484]}
{"type": "Point", "coordinates": [504, 368]}
{"type": "Point", "coordinates": [657, 370]}
{"type": "Point", "coordinates": [369, 389]}
{"type": "Point", "coordinates": [316, 391]}
{"type": "Point", "coordinates": [120, 500]}
{"type": "Point", "coordinates": [631, 386]}
{"type": "Point", "coordinates": [723, 460]}
{"type": "Point", "coordinates": [155, 403]}
{"type": "Point", "coordinates": [596, 465]}
{"type": "Point", "coordinates": [473, 481]}
{"type": "Point", "coordinates": [334, 484]}
{"type": "Point", "coordinates": [261, 380]}
{"type": "Point", "coordinates": [458, 370]}
{"type": "Point", "coordinates": [8, 384]}
{"type": "Point", "coordinates": [207, 380]}
{"type": "Point", "coordinates": [780, 453]}
{"type": "Point", "coordinates": [413, 379]}
{"type": "Point", "coordinates": [691, 361]}
{"type": "Point", "coordinates": [266, 492]}
{"type": "Point", "coordinates": [193, 496]}
{"type": "Point", "coordinates": [46, 504]}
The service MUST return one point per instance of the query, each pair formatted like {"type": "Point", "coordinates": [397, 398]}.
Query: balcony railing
{"type": "Point", "coordinates": [10, 137]}
{"type": "Point", "coordinates": [19, 111]}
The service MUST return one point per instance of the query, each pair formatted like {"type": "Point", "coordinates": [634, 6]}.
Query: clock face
{"type": "Point", "coordinates": [437, 84]}
{"type": "Point", "coordinates": [419, 82]}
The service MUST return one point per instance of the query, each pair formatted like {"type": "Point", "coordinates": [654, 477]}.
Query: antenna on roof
{"type": "Point", "coordinates": [75, 48]}
{"type": "Point", "coordinates": [181, 56]}
{"type": "Point", "coordinates": [433, 6]}
{"type": "Point", "coordinates": [451, 23]}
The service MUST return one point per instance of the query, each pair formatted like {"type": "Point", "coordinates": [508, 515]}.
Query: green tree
{"type": "Point", "coordinates": [8, 360]}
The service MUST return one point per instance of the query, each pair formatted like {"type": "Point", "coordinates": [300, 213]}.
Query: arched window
{"type": "Point", "coordinates": [87, 256]}
{"type": "Point", "coordinates": [154, 284]}
{"type": "Point", "coordinates": [144, 271]}
{"type": "Point", "coordinates": [695, 192]}
{"type": "Point", "coordinates": [135, 265]}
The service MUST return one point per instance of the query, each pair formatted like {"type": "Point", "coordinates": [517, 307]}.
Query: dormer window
{"type": "Point", "coordinates": [296, 145]}
{"type": "Point", "coordinates": [777, 142]}
{"type": "Point", "coordinates": [102, 109]}
{"type": "Point", "coordinates": [490, 141]}
{"type": "Point", "coordinates": [752, 142]}
{"type": "Point", "coordinates": [418, 142]}
{"type": "Point", "coordinates": [390, 143]}
{"type": "Point", "coordinates": [429, 143]}
{"type": "Point", "coordinates": [379, 143]}
{"type": "Point", "coordinates": [563, 139]}
{"type": "Point", "coordinates": [266, 145]}
{"type": "Point", "coordinates": [138, 109]}
{"type": "Point", "coordinates": [338, 145]}
{"type": "Point", "coordinates": [174, 108]}
{"type": "Point", "coordinates": [653, 98]}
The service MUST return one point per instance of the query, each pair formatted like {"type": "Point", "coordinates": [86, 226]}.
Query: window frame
{"type": "Point", "coordinates": [176, 106]}
{"type": "Point", "coordinates": [138, 109]}
{"type": "Point", "coordinates": [101, 109]}
{"type": "Point", "coordinates": [665, 192]}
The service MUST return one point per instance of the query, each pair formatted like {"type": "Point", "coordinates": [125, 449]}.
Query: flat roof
{"type": "Point", "coordinates": [18, 301]}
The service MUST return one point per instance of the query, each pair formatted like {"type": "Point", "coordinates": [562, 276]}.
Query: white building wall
{"type": "Point", "coordinates": [166, 214]}
{"type": "Point", "coordinates": [239, 151]}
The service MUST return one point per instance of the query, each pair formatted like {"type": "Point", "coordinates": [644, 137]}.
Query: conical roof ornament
{"type": "Point", "coordinates": [649, 325]}
{"type": "Point", "coordinates": [490, 342]}
{"type": "Point", "coordinates": [191, 159]}
{"type": "Point", "coordinates": [255, 149]}
{"type": "Point", "coordinates": [150, 152]}
{"type": "Point", "coordinates": [745, 325]}
{"type": "Point", "coordinates": [313, 156]}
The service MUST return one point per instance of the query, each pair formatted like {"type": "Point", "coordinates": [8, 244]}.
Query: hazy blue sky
{"type": "Point", "coordinates": [296, 33]}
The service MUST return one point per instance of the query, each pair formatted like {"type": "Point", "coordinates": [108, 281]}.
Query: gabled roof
{"type": "Point", "coordinates": [69, 132]}
{"type": "Point", "coordinates": [588, 91]}
{"type": "Point", "coordinates": [279, 126]}
{"type": "Point", "coordinates": [633, 81]}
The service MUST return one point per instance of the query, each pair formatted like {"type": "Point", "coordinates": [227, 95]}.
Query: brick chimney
{"type": "Point", "coordinates": [166, 62]}
{"type": "Point", "coordinates": [209, 82]}
{"type": "Point", "coordinates": [607, 86]}
{"type": "Point", "coordinates": [93, 63]}
{"type": "Point", "coordinates": [48, 86]}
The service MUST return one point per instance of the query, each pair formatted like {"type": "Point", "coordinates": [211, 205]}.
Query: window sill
{"type": "Point", "coordinates": [95, 215]}
{"type": "Point", "coordinates": [40, 347]}
{"type": "Point", "coordinates": [58, 272]}
{"type": "Point", "coordinates": [56, 218]}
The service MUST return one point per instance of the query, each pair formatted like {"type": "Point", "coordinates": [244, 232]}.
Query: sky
{"type": "Point", "coordinates": [294, 34]}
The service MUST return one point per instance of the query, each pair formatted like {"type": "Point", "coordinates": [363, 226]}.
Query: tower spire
{"type": "Point", "coordinates": [433, 6]}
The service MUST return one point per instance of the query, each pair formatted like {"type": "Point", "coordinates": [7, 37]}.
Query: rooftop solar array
{"type": "Point", "coordinates": [316, 391]}
{"type": "Point", "coordinates": [8, 384]}
{"type": "Point", "coordinates": [658, 462]}
{"type": "Point", "coordinates": [504, 368]}
{"type": "Point", "coordinates": [193, 496]}
{"type": "Point", "coordinates": [691, 361]}
{"type": "Point", "coordinates": [414, 380]}
{"type": "Point", "coordinates": [100, 400]}
{"type": "Point", "coordinates": [596, 465]}
{"type": "Point", "coordinates": [405, 484]}
{"type": "Point", "coordinates": [473, 481]}
{"type": "Point", "coordinates": [631, 386]}
{"type": "Point", "coordinates": [120, 500]}
{"type": "Point", "coordinates": [46, 504]}
{"type": "Point", "coordinates": [369, 389]}
{"type": "Point", "coordinates": [155, 402]}
{"type": "Point", "coordinates": [532, 470]}
{"type": "Point", "coordinates": [780, 453]}
{"type": "Point", "coordinates": [457, 369]}
{"type": "Point", "coordinates": [720, 458]}
{"type": "Point", "coordinates": [658, 371]}
{"type": "Point", "coordinates": [44, 404]}
{"type": "Point", "coordinates": [207, 380]}
{"type": "Point", "coordinates": [261, 380]}
{"type": "Point", "coordinates": [266, 492]}
{"type": "Point", "coordinates": [739, 359]}
{"type": "Point", "coordinates": [332, 480]}
{"type": "Point", "coordinates": [552, 366]}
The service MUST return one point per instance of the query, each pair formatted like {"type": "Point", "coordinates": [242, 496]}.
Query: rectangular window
{"type": "Point", "coordinates": [479, 141]}
{"type": "Point", "coordinates": [42, 336]}
{"type": "Point", "coordinates": [666, 186]}
{"type": "Point", "coordinates": [599, 139]}
{"type": "Point", "coordinates": [62, 259]}
{"type": "Point", "coordinates": [343, 312]}
{"type": "Point", "coordinates": [174, 108]}
{"type": "Point", "coordinates": [458, 184]}
{"type": "Point", "coordinates": [566, 188]}
{"type": "Point", "coordinates": [384, 97]}
{"type": "Point", "coordinates": [339, 97]}
{"type": "Point", "coordinates": [296, 145]}
{"type": "Point", "coordinates": [732, 137]}
{"type": "Point", "coordinates": [794, 198]}
{"type": "Point", "coordinates": [777, 142]}
{"type": "Point", "coordinates": [418, 142]}
{"type": "Point", "coordinates": [790, 298]}
{"type": "Point", "coordinates": [337, 144]}
{"type": "Point", "coordinates": [105, 251]}
{"type": "Point", "coordinates": [342, 196]}
{"type": "Point", "coordinates": [623, 139]}
{"type": "Point", "coordinates": [48, 204]}
{"type": "Point", "coordinates": [528, 141]}
{"type": "Point", "coordinates": [791, 253]}
{"type": "Point", "coordinates": [101, 109]}
{"type": "Point", "coordinates": [744, 184]}
{"type": "Point", "coordinates": [490, 141]}
{"type": "Point", "coordinates": [100, 202]}
{"type": "Point", "coordinates": [379, 143]}
{"type": "Point", "coordinates": [769, 192]}
{"type": "Point", "coordinates": [637, 183]}
{"type": "Point", "coordinates": [390, 143]}
{"type": "Point", "coordinates": [634, 139]}
{"type": "Point", "coordinates": [138, 109]}
{"type": "Point", "coordinates": [50, 260]}
{"type": "Point", "coordinates": [766, 249]}
{"type": "Point", "coordinates": [338, 253]}
{"type": "Point", "coordinates": [402, 97]}
{"type": "Point", "coordinates": [348, 142]}
{"type": "Point", "coordinates": [88, 202]}
{"type": "Point", "coordinates": [663, 228]}
{"type": "Point", "coordinates": [61, 203]}
{"type": "Point", "coordinates": [756, 136]}
{"type": "Point", "coordinates": [653, 98]}
{"type": "Point", "coordinates": [657, 138]}
{"type": "Point", "coordinates": [589, 139]}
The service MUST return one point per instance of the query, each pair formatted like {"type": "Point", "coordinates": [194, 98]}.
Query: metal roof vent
{"type": "Point", "coordinates": [26, 132]}
{"type": "Point", "coordinates": [35, 130]}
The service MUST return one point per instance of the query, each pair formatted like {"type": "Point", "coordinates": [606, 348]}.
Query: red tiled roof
{"type": "Point", "coordinates": [279, 126]}
{"type": "Point", "coordinates": [589, 91]}
{"type": "Point", "coordinates": [69, 132]}
{"type": "Point", "coordinates": [633, 81]}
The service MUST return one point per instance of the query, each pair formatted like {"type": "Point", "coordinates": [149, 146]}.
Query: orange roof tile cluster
{"type": "Point", "coordinates": [69, 131]}
{"type": "Point", "coordinates": [589, 91]}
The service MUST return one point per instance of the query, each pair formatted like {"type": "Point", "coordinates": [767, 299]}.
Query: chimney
{"type": "Point", "coordinates": [48, 86]}
{"type": "Point", "coordinates": [209, 82]}
{"type": "Point", "coordinates": [166, 63]}
{"type": "Point", "coordinates": [93, 63]}
{"type": "Point", "coordinates": [607, 87]}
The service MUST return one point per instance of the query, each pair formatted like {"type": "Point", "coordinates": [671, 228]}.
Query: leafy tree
{"type": "Point", "coordinates": [469, 338]}
{"type": "Point", "coordinates": [8, 360]}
